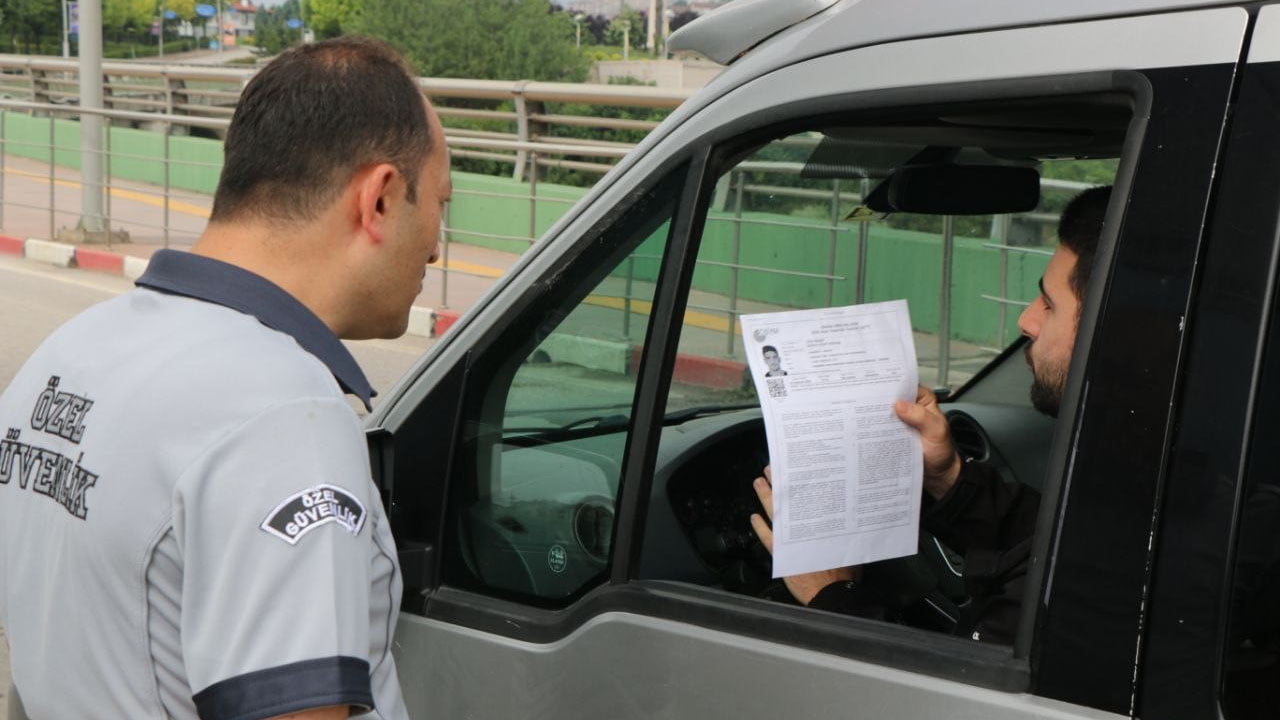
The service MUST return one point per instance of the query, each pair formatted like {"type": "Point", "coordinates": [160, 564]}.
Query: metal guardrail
{"type": "Point", "coordinates": [212, 92]}
{"type": "Point", "coordinates": [536, 152]}
{"type": "Point", "coordinates": [544, 152]}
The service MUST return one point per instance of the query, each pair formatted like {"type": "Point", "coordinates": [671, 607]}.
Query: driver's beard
{"type": "Point", "coordinates": [1047, 386]}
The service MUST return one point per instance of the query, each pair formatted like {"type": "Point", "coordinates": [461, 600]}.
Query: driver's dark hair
{"type": "Point", "coordinates": [310, 119]}
{"type": "Point", "coordinates": [767, 348]}
{"type": "Point", "coordinates": [1079, 228]}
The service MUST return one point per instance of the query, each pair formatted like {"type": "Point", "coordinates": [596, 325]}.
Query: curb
{"type": "Point", "coordinates": [64, 255]}
{"type": "Point", "coordinates": [444, 319]}
{"type": "Point", "coordinates": [133, 267]}
{"type": "Point", "coordinates": [597, 354]}
{"type": "Point", "coordinates": [54, 253]}
{"type": "Point", "coordinates": [99, 260]}
{"type": "Point", "coordinates": [709, 372]}
{"type": "Point", "coordinates": [422, 322]}
{"type": "Point", "coordinates": [588, 352]}
{"type": "Point", "coordinates": [699, 370]}
{"type": "Point", "coordinates": [10, 245]}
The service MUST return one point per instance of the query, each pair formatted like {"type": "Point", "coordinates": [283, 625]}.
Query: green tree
{"type": "Point", "coordinates": [493, 39]}
{"type": "Point", "coordinates": [628, 18]}
{"type": "Point", "coordinates": [128, 16]}
{"type": "Point", "coordinates": [330, 18]}
{"type": "Point", "coordinates": [27, 21]}
{"type": "Point", "coordinates": [183, 9]}
{"type": "Point", "coordinates": [271, 29]}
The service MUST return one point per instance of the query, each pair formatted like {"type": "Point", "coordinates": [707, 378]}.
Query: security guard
{"type": "Point", "coordinates": [188, 526]}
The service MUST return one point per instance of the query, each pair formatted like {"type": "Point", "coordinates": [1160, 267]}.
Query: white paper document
{"type": "Point", "coordinates": [847, 472]}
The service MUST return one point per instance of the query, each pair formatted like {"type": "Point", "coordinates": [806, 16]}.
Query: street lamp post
{"type": "Point", "coordinates": [66, 30]}
{"type": "Point", "coordinates": [91, 165]}
{"type": "Point", "coordinates": [626, 41]}
{"type": "Point", "coordinates": [667, 14]}
{"type": "Point", "coordinates": [577, 23]}
{"type": "Point", "coordinates": [651, 23]}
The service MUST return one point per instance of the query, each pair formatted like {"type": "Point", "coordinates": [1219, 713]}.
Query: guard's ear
{"type": "Point", "coordinates": [375, 190]}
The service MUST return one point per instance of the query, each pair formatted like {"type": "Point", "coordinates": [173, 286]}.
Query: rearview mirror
{"type": "Point", "coordinates": [957, 190]}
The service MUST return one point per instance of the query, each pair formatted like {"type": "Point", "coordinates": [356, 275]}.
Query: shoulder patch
{"type": "Point", "coordinates": [303, 512]}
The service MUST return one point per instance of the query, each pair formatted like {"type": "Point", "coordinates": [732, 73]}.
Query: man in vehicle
{"type": "Point", "coordinates": [967, 505]}
{"type": "Point", "coordinates": [188, 526]}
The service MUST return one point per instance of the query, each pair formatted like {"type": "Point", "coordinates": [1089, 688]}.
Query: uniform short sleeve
{"type": "Point", "coordinates": [273, 526]}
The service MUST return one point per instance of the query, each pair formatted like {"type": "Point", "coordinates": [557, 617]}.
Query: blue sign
{"type": "Point", "coordinates": [294, 23]}
{"type": "Point", "coordinates": [205, 10]}
{"type": "Point", "coordinates": [73, 11]}
{"type": "Point", "coordinates": [170, 15]}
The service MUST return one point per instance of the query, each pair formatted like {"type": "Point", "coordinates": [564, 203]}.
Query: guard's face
{"type": "Point", "coordinates": [415, 239]}
{"type": "Point", "coordinates": [1050, 323]}
{"type": "Point", "coordinates": [772, 360]}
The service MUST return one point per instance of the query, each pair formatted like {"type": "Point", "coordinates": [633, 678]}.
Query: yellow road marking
{"type": "Point", "coordinates": [144, 198]}
{"type": "Point", "coordinates": [474, 269]}
{"type": "Point", "coordinates": [694, 318]}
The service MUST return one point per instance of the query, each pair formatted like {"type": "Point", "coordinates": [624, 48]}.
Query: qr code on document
{"type": "Point", "coordinates": [777, 387]}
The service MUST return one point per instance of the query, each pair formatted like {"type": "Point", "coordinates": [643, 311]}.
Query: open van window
{"type": "Point", "coordinates": [955, 209]}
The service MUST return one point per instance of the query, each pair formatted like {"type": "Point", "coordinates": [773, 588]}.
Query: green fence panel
{"type": "Point", "coordinates": [503, 208]}
{"type": "Point", "coordinates": [901, 263]}
{"type": "Point", "coordinates": [135, 154]}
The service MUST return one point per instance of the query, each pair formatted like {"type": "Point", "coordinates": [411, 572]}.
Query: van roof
{"type": "Point", "coordinates": [849, 24]}
{"type": "Point", "coordinates": [855, 23]}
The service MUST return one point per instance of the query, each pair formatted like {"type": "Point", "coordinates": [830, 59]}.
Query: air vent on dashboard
{"type": "Point", "coordinates": [593, 529]}
{"type": "Point", "coordinates": [967, 434]}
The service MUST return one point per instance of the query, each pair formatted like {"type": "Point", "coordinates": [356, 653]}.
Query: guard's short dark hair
{"type": "Point", "coordinates": [312, 117]}
{"type": "Point", "coordinates": [1079, 228]}
{"type": "Point", "coordinates": [767, 348]}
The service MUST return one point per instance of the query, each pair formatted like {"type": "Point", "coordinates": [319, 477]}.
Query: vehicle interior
{"type": "Point", "coordinates": [951, 206]}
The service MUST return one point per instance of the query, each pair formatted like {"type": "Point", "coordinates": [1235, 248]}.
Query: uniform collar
{"type": "Point", "coordinates": [203, 278]}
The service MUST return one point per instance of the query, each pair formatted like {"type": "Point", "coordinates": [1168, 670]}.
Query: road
{"type": "Point", "coordinates": [200, 57]}
{"type": "Point", "coordinates": [38, 298]}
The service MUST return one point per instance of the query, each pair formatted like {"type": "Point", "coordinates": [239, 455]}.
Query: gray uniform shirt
{"type": "Point", "coordinates": [187, 520]}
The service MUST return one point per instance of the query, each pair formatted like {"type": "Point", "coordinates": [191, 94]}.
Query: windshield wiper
{"type": "Point", "coordinates": [683, 416]}
{"type": "Point", "coordinates": [601, 424]}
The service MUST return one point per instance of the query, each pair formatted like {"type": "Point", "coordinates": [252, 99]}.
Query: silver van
{"type": "Point", "coordinates": [568, 472]}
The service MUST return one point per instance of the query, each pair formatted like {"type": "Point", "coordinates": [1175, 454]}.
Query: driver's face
{"type": "Point", "coordinates": [1050, 323]}
{"type": "Point", "coordinates": [772, 360]}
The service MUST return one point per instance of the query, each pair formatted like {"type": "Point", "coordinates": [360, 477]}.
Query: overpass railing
{"type": "Point", "coordinates": [746, 180]}
{"type": "Point", "coordinates": [520, 108]}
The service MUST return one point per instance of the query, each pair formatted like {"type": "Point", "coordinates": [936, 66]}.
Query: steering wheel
{"type": "Point", "coordinates": [713, 498]}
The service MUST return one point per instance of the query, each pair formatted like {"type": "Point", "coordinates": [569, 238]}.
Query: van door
{"type": "Point", "coordinates": [530, 462]}
{"type": "Point", "coordinates": [1212, 645]}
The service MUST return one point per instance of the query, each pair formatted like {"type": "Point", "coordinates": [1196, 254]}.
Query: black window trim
{"type": "Point", "coordinates": [1241, 261]}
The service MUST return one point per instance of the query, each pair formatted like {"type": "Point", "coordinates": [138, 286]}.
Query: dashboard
{"type": "Point", "coordinates": [545, 527]}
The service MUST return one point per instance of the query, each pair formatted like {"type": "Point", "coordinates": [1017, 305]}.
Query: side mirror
{"type": "Point", "coordinates": [957, 190]}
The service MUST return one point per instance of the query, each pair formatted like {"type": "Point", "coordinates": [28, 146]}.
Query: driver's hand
{"type": "Point", "coordinates": [941, 461]}
{"type": "Point", "coordinates": [802, 587]}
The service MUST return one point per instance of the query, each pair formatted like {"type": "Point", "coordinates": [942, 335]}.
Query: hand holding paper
{"type": "Point", "coordinates": [941, 461]}
{"type": "Point", "coordinates": [846, 471]}
{"type": "Point", "coordinates": [802, 587]}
